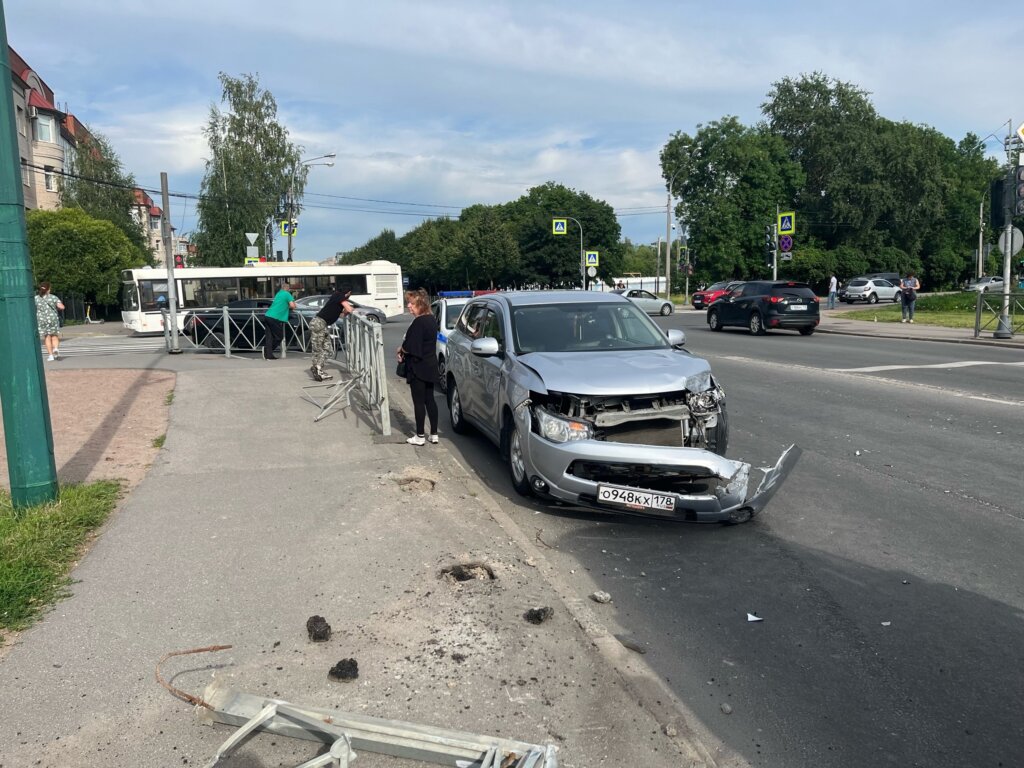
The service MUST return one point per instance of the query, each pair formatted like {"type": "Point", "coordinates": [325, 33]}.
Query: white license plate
{"type": "Point", "coordinates": [634, 499]}
{"type": "Point", "coordinates": [798, 307]}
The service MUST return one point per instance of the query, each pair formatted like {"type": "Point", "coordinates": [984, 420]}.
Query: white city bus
{"type": "Point", "coordinates": [144, 290]}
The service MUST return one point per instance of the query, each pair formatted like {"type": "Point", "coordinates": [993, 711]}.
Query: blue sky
{"type": "Point", "coordinates": [435, 105]}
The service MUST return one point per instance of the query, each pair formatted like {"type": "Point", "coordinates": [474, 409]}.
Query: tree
{"type": "Point", "coordinates": [98, 185]}
{"type": "Point", "coordinates": [78, 254]}
{"type": "Point", "coordinates": [489, 249]}
{"type": "Point", "coordinates": [384, 247]}
{"type": "Point", "coordinates": [253, 167]}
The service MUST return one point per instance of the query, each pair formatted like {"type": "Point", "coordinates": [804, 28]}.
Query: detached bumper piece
{"type": "Point", "coordinates": [346, 733]}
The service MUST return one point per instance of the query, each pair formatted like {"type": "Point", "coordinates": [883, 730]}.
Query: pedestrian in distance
{"type": "Point", "coordinates": [275, 320]}
{"type": "Point", "coordinates": [419, 351]}
{"type": "Point", "coordinates": [909, 286]}
{"type": "Point", "coordinates": [833, 289]}
{"type": "Point", "coordinates": [337, 305]}
{"type": "Point", "coordinates": [47, 306]}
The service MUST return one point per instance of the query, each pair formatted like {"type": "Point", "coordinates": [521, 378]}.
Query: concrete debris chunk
{"type": "Point", "coordinates": [601, 597]}
{"type": "Point", "coordinates": [318, 628]}
{"type": "Point", "coordinates": [344, 671]}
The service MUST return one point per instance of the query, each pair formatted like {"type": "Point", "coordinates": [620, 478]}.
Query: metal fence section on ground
{"type": "Point", "coordinates": [989, 310]}
{"type": "Point", "coordinates": [363, 345]}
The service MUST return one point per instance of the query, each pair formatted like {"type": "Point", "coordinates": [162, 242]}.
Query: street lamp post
{"type": "Point", "coordinates": [291, 193]}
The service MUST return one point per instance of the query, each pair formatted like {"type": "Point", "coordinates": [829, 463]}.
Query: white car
{"type": "Point", "coordinates": [646, 300]}
{"type": "Point", "coordinates": [986, 284]}
{"type": "Point", "coordinates": [871, 290]}
{"type": "Point", "coordinates": [446, 313]}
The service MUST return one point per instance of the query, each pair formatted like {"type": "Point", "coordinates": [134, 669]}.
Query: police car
{"type": "Point", "coordinates": [446, 311]}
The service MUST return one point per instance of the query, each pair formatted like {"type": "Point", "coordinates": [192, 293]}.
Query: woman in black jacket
{"type": "Point", "coordinates": [419, 351]}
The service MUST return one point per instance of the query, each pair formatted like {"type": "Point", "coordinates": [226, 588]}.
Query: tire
{"type": "Point", "coordinates": [756, 324]}
{"type": "Point", "coordinates": [666, 309]}
{"type": "Point", "coordinates": [718, 436]}
{"type": "Point", "coordinates": [514, 457]}
{"type": "Point", "coordinates": [442, 372]}
{"type": "Point", "coordinates": [372, 319]}
{"type": "Point", "coordinates": [459, 425]}
{"type": "Point", "coordinates": [713, 322]}
{"type": "Point", "coordinates": [896, 298]}
{"type": "Point", "coordinates": [807, 331]}
{"type": "Point", "coordinates": [872, 299]}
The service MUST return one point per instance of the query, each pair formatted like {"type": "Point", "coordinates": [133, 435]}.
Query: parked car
{"type": "Point", "coordinates": [986, 284]}
{"type": "Point", "coordinates": [870, 290]}
{"type": "Point", "coordinates": [647, 301]}
{"type": "Point", "coordinates": [245, 317]}
{"type": "Point", "coordinates": [310, 305]}
{"type": "Point", "coordinates": [446, 313]}
{"type": "Point", "coordinates": [703, 298]}
{"type": "Point", "coordinates": [591, 404]}
{"type": "Point", "coordinates": [761, 305]}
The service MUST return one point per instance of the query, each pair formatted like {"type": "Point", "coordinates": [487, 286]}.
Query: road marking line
{"type": "Point", "coordinates": [959, 364]}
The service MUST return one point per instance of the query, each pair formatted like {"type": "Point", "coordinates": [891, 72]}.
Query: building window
{"type": "Point", "coordinates": [26, 179]}
{"type": "Point", "coordinates": [21, 121]}
{"type": "Point", "coordinates": [49, 179]}
{"type": "Point", "coordinates": [44, 128]}
{"type": "Point", "coordinates": [154, 223]}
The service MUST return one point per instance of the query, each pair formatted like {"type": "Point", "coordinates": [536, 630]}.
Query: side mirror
{"type": "Point", "coordinates": [485, 347]}
{"type": "Point", "coordinates": [675, 337]}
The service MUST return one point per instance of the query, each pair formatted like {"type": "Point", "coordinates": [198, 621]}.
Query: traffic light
{"type": "Point", "coordinates": [769, 245]}
{"type": "Point", "coordinates": [179, 261]}
{"type": "Point", "coordinates": [1018, 191]}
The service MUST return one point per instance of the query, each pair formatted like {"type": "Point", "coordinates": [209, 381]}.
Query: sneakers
{"type": "Point", "coordinates": [433, 439]}
{"type": "Point", "coordinates": [417, 440]}
{"type": "Point", "coordinates": [911, 319]}
{"type": "Point", "coordinates": [903, 320]}
{"type": "Point", "coordinates": [319, 375]}
{"type": "Point", "coordinates": [266, 356]}
{"type": "Point", "coordinates": [50, 360]}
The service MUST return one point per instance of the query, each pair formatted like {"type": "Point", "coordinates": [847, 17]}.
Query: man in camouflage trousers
{"type": "Point", "coordinates": [328, 315]}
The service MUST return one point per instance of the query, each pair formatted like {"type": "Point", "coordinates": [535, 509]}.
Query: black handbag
{"type": "Point", "coordinates": [401, 371]}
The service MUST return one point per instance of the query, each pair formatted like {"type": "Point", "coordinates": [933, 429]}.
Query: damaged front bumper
{"type": "Point", "coordinates": [672, 483]}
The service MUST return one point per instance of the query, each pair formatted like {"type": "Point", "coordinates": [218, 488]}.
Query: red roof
{"type": "Point", "coordinates": [154, 211]}
{"type": "Point", "coordinates": [36, 99]}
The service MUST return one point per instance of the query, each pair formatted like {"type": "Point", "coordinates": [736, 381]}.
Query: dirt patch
{"type": "Point", "coordinates": [104, 423]}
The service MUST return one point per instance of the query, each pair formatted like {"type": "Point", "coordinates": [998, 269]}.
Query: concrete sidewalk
{"type": "Point", "coordinates": [254, 519]}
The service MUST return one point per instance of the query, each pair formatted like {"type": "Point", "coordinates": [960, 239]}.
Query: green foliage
{"type": "Point", "coordinates": [79, 254]}
{"type": "Point", "coordinates": [252, 170]}
{"type": "Point", "coordinates": [99, 186]}
{"type": "Point", "coordinates": [384, 247]}
{"type": "Point", "coordinates": [38, 546]}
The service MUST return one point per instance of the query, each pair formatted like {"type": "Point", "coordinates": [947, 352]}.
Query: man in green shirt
{"type": "Point", "coordinates": [275, 321]}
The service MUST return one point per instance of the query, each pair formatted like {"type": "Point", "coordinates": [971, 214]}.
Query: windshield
{"type": "Point", "coordinates": [583, 328]}
{"type": "Point", "coordinates": [719, 286]}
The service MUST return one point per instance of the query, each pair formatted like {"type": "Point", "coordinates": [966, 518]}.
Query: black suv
{"type": "Point", "coordinates": [761, 305]}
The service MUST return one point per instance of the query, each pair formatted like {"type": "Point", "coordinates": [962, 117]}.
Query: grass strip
{"type": "Point", "coordinates": [39, 545]}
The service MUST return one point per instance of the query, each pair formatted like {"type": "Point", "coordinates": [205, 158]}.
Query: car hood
{"type": "Point", "coordinates": [629, 372]}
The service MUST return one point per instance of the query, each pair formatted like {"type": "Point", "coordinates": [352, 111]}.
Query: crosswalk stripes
{"type": "Point", "coordinates": [109, 345]}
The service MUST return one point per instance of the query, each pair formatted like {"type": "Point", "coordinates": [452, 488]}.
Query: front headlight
{"type": "Point", "coordinates": [559, 429]}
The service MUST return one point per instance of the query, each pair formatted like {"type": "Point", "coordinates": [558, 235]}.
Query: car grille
{"type": "Point", "coordinates": [654, 477]}
{"type": "Point", "coordinates": [647, 432]}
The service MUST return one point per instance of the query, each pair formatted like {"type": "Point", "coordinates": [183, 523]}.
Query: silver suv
{"type": "Point", "coordinates": [871, 289]}
{"type": "Point", "coordinates": [592, 404]}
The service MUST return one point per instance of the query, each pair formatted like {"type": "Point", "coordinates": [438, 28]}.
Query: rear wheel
{"type": "Point", "coordinates": [807, 331]}
{"type": "Point", "coordinates": [756, 324]}
{"type": "Point", "coordinates": [459, 425]}
{"type": "Point", "coordinates": [714, 322]}
{"type": "Point", "coordinates": [514, 456]}
{"type": "Point", "coordinates": [666, 309]}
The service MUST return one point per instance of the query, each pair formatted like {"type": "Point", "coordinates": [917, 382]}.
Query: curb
{"type": "Point", "coordinates": [678, 722]}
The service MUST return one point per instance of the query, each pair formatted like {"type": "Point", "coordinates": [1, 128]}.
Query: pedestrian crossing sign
{"type": "Point", "coordinates": [559, 226]}
{"type": "Point", "coordinates": [289, 229]}
{"type": "Point", "coordinates": [592, 260]}
{"type": "Point", "coordinates": [787, 223]}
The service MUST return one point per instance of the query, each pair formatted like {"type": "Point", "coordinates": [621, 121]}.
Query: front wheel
{"type": "Point", "coordinates": [442, 373]}
{"type": "Point", "coordinates": [872, 299]}
{"type": "Point", "coordinates": [714, 322]}
{"type": "Point", "coordinates": [756, 324]}
{"type": "Point", "coordinates": [666, 309]}
{"type": "Point", "coordinates": [459, 425]}
{"type": "Point", "coordinates": [514, 456]}
{"type": "Point", "coordinates": [718, 436]}
{"type": "Point", "coordinates": [896, 298]}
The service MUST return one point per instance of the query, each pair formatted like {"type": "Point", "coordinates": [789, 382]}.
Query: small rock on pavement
{"type": "Point", "coordinates": [727, 709]}
{"type": "Point", "coordinates": [538, 615]}
{"type": "Point", "coordinates": [670, 730]}
{"type": "Point", "coordinates": [344, 671]}
{"type": "Point", "coordinates": [601, 597]}
{"type": "Point", "coordinates": [318, 628]}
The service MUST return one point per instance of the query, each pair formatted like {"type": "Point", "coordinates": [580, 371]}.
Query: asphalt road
{"type": "Point", "coordinates": [887, 571]}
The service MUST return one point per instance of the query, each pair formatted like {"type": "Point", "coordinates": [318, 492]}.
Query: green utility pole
{"type": "Point", "coordinates": [26, 408]}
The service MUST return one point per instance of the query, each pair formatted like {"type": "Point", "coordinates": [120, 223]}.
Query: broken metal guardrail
{"type": "Point", "coordinates": [346, 733]}
{"type": "Point", "coordinates": [365, 361]}
{"type": "Point", "coordinates": [989, 310]}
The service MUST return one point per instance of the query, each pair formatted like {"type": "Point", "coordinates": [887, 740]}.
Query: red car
{"type": "Point", "coordinates": [701, 299]}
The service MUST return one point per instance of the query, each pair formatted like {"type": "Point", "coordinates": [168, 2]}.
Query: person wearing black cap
{"type": "Point", "coordinates": [328, 315]}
